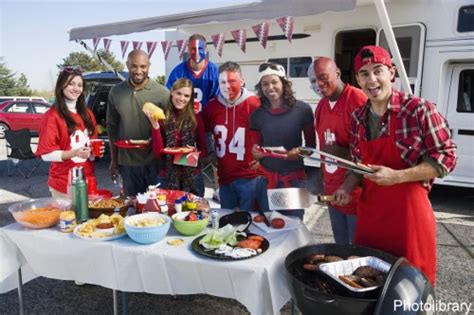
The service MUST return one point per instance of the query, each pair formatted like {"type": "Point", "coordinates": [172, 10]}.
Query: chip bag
{"type": "Point", "coordinates": [156, 112]}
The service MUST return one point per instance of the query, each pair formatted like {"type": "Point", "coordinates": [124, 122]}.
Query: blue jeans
{"type": "Point", "coordinates": [198, 179]}
{"type": "Point", "coordinates": [243, 192]}
{"type": "Point", "coordinates": [343, 226]}
{"type": "Point", "coordinates": [136, 179]}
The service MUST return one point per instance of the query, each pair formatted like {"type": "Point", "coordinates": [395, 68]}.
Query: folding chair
{"type": "Point", "coordinates": [208, 172]}
{"type": "Point", "coordinates": [18, 143]}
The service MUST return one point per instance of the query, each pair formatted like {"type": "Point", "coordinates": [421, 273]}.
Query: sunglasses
{"type": "Point", "coordinates": [72, 69]}
{"type": "Point", "coordinates": [273, 66]}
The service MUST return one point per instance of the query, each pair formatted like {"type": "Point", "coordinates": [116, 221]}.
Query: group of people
{"type": "Point", "coordinates": [403, 138]}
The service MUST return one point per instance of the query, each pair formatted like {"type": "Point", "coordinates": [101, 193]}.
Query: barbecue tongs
{"type": "Point", "coordinates": [330, 159]}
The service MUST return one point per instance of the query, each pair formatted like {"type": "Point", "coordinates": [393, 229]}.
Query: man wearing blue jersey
{"type": "Point", "coordinates": [198, 69]}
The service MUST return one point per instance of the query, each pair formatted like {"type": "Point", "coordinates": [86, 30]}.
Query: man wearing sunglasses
{"type": "Point", "coordinates": [332, 125]}
{"type": "Point", "coordinates": [202, 72]}
{"type": "Point", "coordinates": [126, 120]}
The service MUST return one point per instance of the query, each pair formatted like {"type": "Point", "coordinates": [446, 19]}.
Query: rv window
{"type": "Point", "coordinates": [466, 19]}
{"type": "Point", "coordinates": [299, 67]}
{"type": "Point", "coordinates": [466, 92]}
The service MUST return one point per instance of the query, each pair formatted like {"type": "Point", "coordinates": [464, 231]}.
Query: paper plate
{"type": "Point", "coordinates": [97, 239]}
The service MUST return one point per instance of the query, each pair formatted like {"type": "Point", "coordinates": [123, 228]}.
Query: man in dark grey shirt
{"type": "Point", "coordinates": [126, 120]}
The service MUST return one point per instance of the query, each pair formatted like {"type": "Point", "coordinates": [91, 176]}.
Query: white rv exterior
{"type": "Point", "coordinates": [435, 38]}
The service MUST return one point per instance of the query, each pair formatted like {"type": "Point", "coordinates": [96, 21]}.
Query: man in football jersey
{"type": "Point", "coordinates": [202, 72]}
{"type": "Point", "coordinates": [332, 125]}
{"type": "Point", "coordinates": [227, 119]}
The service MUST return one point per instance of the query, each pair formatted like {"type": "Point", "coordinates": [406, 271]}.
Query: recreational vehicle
{"type": "Point", "coordinates": [435, 41]}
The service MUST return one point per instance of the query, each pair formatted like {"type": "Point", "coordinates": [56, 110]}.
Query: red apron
{"type": "Point", "coordinates": [397, 219]}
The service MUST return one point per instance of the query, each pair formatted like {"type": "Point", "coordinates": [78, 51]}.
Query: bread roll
{"type": "Point", "coordinates": [156, 112]}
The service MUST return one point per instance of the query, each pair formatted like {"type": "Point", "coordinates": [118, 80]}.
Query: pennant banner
{"type": "Point", "coordinates": [166, 46]}
{"type": "Point", "coordinates": [261, 30]}
{"type": "Point", "coordinates": [286, 24]}
{"type": "Point", "coordinates": [240, 37]}
{"type": "Point", "coordinates": [124, 47]}
{"type": "Point", "coordinates": [181, 43]}
{"type": "Point", "coordinates": [95, 43]}
{"type": "Point", "coordinates": [107, 43]}
{"type": "Point", "coordinates": [137, 45]}
{"type": "Point", "coordinates": [150, 48]}
{"type": "Point", "coordinates": [218, 40]}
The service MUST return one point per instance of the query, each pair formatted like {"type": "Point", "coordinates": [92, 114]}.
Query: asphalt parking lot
{"type": "Point", "coordinates": [455, 246]}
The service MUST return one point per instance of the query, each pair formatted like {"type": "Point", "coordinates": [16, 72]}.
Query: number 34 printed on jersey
{"type": "Point", "coordinates": [236, 145]}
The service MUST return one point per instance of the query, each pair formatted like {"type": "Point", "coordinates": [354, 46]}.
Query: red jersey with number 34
{"type": "Point", "coordinates": [229, 125]}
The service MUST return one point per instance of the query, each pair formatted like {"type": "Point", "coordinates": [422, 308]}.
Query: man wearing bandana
{"type": "Point", "coordinates": [199, 70]}
{"type": "Point", "coordinates": [226, 117]}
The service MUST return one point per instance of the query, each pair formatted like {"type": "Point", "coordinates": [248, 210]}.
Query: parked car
{"type": "Point", "coordinates": [15, 115]}
{"type": "Point", "coordinates": [98, 86]}
{"type": "Point", "coordinates": [22, 98]}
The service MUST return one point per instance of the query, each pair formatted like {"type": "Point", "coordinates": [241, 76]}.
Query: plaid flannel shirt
{"type": "Point", "coordinates": [421, 132]}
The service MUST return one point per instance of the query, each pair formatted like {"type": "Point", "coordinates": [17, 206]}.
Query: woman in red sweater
{"type": "Point", "coordinates": [181, 128]}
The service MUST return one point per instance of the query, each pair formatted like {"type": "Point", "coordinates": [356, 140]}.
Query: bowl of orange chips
{"type": "Point", "coordinates": [39, 213]}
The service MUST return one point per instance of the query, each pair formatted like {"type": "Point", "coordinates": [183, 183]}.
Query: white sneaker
{"type": "Point", "coordinates": [215, 196]}
{"type": "Point", "coordinates": [78, 283]}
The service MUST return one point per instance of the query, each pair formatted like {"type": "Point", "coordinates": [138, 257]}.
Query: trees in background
{"type": "Point", "coordinates": [10, 85]}
{"type": "Point", "coordinates": [89, 63]}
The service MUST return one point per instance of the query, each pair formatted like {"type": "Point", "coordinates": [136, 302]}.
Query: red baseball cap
{"type": "Point", "coordinates": [372, 54]}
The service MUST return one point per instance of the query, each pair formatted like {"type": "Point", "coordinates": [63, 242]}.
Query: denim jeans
{"type": "Point", "coordinates": [343, 226]}
{"type": "Point", "coordinates": [243, 193]}
{"type": "Point", "coordinates": [136, 179]}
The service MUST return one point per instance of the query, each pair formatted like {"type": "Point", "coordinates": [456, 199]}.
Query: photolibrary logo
{"type": "Point", "coordinates": [432, 307]}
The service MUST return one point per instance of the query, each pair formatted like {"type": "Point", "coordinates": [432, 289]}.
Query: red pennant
{"type": "Point", "coordinates": [286, 24]}
{"type": "Point", "coordinates": [124, 47]}
{"type": "Point", "coordinates": [181, 43]}
{"type": "Point", "coordinates": [261, 30]}
{"type": "Point", "coordinates": [240, 37]}
{"type": "Point", "coordinates": [95, 43]}
{"type": "Point", "coordinates": [107, 43]}
{"type": "Point", "coordinates": [150, 48]}
{"type": "Point", "coordinates": [137, 45]}
{"type": "Point", "coordinates": [166, 46]}
{"type": "Point", "coordinates": [218, 40]}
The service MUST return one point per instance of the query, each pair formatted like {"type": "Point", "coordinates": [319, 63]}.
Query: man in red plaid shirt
{"type": "Point", "coordinates": [407, 143]}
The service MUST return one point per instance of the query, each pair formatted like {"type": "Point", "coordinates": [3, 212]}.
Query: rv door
{"type": "Point", "coordinates": [460, 116]}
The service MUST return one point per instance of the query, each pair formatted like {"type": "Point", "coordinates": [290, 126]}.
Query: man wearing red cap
{"type": "Point", "coordinates": [407, 143]}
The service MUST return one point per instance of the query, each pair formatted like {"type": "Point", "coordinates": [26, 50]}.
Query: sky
{"type": "Point", "coordinates": [34, 37]}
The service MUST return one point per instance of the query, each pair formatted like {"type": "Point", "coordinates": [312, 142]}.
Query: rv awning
{"type": "Point", "coordinates": [265, 9]}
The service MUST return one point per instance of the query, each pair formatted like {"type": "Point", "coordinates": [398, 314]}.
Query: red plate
{"type": "Point", "coordinates": [125, 144]}
{"type": "Point", "coordinates": [177, 150]}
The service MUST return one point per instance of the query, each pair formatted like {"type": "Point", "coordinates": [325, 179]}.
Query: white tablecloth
{"type": "Point", "coordinates": [258, 283]}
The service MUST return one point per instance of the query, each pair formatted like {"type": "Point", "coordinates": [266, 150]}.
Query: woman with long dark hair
{"type": "Point", "coordinates": [281, 121]}
{"type": "Point", "coordinates": [65, 131]}
{"type": "Point", "coordinates": [181, 128]}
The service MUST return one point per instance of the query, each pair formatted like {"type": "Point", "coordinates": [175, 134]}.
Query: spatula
{"type": "Point", "coordinates": [293, 198]}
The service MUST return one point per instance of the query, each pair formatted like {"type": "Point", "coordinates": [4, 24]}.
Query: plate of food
{"type": "Point", "coordinates": [104, 228]}
{"type": "Point", "coordinates": [228, 244]}
{"type": "Point", "coordinates": [278, 222]}
{"type": "Point", "coordinates": [132, 144]}
{"type": "Point", "coordinates": [109, 206]}
{"type": "Point", "coordinates": [178, 150]}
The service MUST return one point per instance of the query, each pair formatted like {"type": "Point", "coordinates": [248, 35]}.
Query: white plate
{"type": "Point", "coordinates": [290, 223]}
{"type": "Point", "coordinates": [97, 239]}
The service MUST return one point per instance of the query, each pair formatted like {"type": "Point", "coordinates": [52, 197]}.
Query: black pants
{"type": "Point", "coordinates": [136, 179]}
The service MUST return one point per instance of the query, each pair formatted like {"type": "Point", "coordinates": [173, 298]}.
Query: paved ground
{"type": "Point", "coordinates": [455, 244]}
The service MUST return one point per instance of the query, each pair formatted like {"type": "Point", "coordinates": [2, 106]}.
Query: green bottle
{"type": "Point", "coordinates": [80, 203]}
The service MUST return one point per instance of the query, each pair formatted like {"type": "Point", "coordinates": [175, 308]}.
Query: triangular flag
{"type": "Point", "coordinates": [181, 43]}
{"type": "Point", "coordinates": [240, 37]}
{"type": "Point", "coordinates": [261, 30]}
{"type": "Point", "coordinates": [95, 43]}
{"type": "Point", "coordinates": [107, 43]}
{"type": "Point", "coordinates": [166, 46]}
{"type": "Point", "coordinates": [286, 23]}
{"type": "Point", "coordinates": [124, 46]}
{"type": "Point", "coordinates": [150, 47]}
{"type": "Point", "coordinates": [218, 40]}
{"type": "Point", "coordinates": [137, 45]}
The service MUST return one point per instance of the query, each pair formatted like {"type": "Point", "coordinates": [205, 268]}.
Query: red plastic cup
{"type": "Point", "coordinates": [140, 207]}
{"type": "Point", "coordinates": [91, 185]}
{"type": "Point", "coordinates": [96, 144]}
